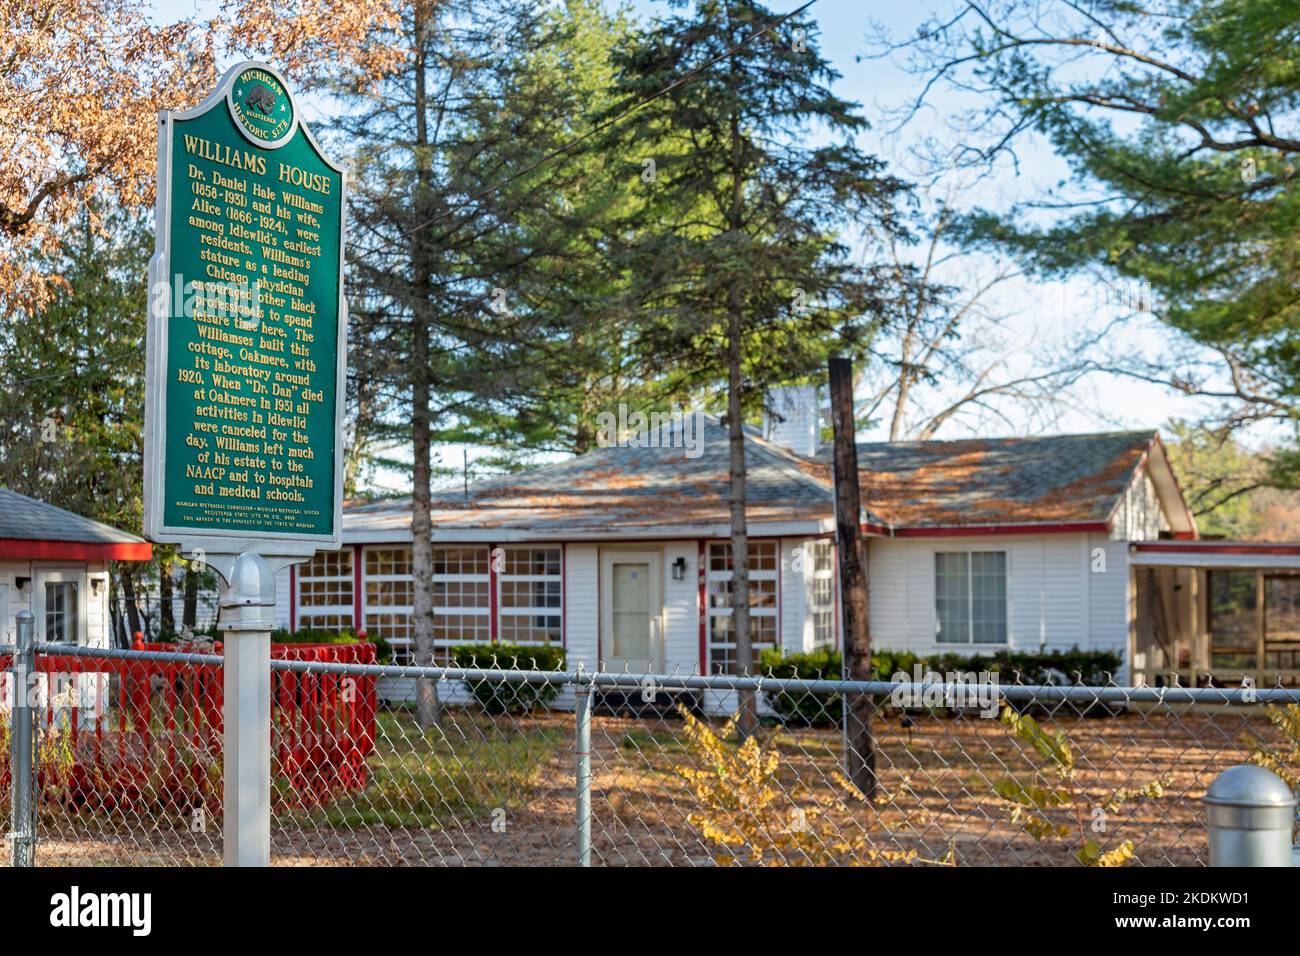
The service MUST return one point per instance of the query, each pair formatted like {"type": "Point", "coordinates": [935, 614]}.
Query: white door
{"type": "Point", "coordinates": [631, 611]}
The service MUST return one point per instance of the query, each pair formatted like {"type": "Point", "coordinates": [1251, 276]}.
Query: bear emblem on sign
{"type": "Point", "coordinates": [261, 99]}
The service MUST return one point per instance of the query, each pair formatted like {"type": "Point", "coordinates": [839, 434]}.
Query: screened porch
{"type": "Point", "coordinates": [1218, 611]}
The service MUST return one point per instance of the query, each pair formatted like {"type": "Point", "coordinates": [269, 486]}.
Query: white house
{"type": "Point", "coordinates": [621, 555]}
{"type": "Point", "coordinates": [55, 564]}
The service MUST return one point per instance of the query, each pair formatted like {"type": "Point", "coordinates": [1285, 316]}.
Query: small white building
{"type": "Point", "coordinates": [55, 564]}
{"type": "Point", "coordinates": [622, 555]}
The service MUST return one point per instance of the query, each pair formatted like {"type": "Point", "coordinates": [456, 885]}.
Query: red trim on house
{"type": "Point", "coordinates": [357, 619]}
{"type": "Point", "coordinates": [293, 597]}
{"type": "Point", "coordinates": [492, 592]}
{"type": "Point", "coordinates": [780, 563]}
{"type": "Point", "coordinates": [1212, 547]}
{"type": "Point", "coordinates": [701, 569]}
{"type": "Point", "coordinates": [74, 550]}
{"type": "Point", "coordinates": [961, 531]}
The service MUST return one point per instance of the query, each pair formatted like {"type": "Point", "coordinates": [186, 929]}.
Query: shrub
{"type": "Point", "coordinates": [1026, 667]}
{"type": "Point", "coordinates": [1057, 805]}
{"type": "Point", "coordinates": [313, 635]}
{"type": "Point", "coordinates": [750, 811]}
{"type": "Point", "coordinates": [510, 697]}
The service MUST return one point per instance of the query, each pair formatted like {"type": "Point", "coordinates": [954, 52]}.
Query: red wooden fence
{"type": "Point", "coordinates": [156, 744]}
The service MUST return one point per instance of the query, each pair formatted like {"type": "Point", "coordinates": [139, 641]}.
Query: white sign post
{"type": "Point", "coordinates": [246, 364]}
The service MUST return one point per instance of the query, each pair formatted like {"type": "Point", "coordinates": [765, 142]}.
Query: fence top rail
{"type": "Point", "coordinates": [937, 691]}
{"type": "Point", "coordinates": [115, 653]}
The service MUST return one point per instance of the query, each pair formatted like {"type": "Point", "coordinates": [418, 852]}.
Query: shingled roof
{"type": "Point", "coordinates": [636, 490]}
{"type": "Point", "coordinates": [34, 529]}
{"type": "Point", "coordinates": [1060, 478]}
{"type": "Point", "coordinates": [1065, 479]}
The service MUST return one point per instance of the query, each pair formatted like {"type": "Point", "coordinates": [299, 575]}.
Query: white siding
{"type": "Point", "coordinates": [283, 597]}
{"type": "Point", "coordinates": [1139, 516]}
{"type": "Point", "coordinates": [98, 632]}
{"type": "Point", "coordinates": [17, 600]}
{"type": "Point", "coordinates": [582, 605]}
{"type": "Point", "coordinates": [94, 628]}
{"type": "Point", "coordinates": [796, 627]}
{"type": "Point", "coordinates": [681, 609]}
{"type": "Point", "coordinates": [1053, 597]}
{"type": "Point", "coordinates": [1108, 599]}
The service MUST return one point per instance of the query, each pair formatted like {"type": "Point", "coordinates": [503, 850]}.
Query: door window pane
{"type": "Point", "coordinates": [61, 611]}
{"type": "Point", "coordinates": [631, 611]}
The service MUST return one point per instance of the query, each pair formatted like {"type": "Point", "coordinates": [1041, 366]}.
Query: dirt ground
{"type": "Point", "coordinates": [500, 792]}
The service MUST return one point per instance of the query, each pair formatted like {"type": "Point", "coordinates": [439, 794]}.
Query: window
{"type": "Point", "coordinates": [325, 596]}
{"type": "Point", "coordinates": [762, 603]}
{"type": "Point", "coordinates": [530, 606]}
{"type": "Point", "coordinates": [460, 599]}
{"type": "Point", "coordinates": [61, 622]}
{"type": "Point", "coordinates": [389, 597]}
{"type": "Point", "coordinates": [462, 613]}
{"type": "Point", "coordinates": [970, 597]}
{"type": "Point", "coordinates": [821, 602]}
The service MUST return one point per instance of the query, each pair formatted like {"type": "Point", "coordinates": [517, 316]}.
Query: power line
{"type": "Point", "coordinates": [74, 371]}
{"type": "Point", "coordinates": [601, 127]}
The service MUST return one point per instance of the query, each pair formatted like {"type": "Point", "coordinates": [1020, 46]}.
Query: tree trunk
{"type": "Point", "coordinates": [740, 631]}
{"type": "Point", "coordinates": [166, 592]}
{"type": "Point", "coordinates": [859, 712]}
{"type": "Point", "coordinates": [115, 612]}
{"type": "Point", "coordinates": [190, 605]}
{"type": "Point", "coordinates": [426, 690]}
{"type": "Point", "coordinates": [132, 609]}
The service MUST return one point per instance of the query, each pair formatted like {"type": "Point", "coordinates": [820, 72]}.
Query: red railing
{"type": "Point", "coordinates": [156, 744]}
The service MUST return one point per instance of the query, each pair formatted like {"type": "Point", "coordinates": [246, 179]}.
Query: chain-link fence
{"type": "Point", "coordinates": [505, 766]}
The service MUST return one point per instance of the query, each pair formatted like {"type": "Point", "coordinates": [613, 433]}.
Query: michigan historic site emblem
{"type": "Point", "coordinates": [261, 107]}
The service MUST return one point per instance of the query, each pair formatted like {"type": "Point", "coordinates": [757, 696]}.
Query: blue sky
{"type": "Point", "coordinates": [1033, 319]}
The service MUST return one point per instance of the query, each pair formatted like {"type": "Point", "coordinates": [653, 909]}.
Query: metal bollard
{"type": "Point", "coordinates": [1249, 812]}
{"type": "Point", "coordinates": [22, 746]}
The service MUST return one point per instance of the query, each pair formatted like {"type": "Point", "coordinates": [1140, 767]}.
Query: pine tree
{"type": "Point", "coordinates": [446, 202]}
{"type": "Point", "coordinates": [739, 270]}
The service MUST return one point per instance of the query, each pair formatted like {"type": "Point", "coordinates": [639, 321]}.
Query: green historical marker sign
{"type": "Point", "coordinates": [247, 327]}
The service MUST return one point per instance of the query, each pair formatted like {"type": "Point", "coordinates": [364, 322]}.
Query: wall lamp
{"type": "Point", "coordinates": [679, 569]}
{"type": "Point", "coordinates": [22, 583]}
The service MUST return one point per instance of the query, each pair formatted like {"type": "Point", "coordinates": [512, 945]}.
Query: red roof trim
{"type": "Point", "coordinates": [75, 550]}
{"type": "Point", "coordinates": [1215, 547]}
{"type": "Point", "coordinates": [954, 531]}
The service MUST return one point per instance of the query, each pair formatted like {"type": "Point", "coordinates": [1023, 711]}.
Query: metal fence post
{"type": "Point", "coordinates": [1249, 812]}
{"type": "Point", "coordinates": [247, 619]}
{"type": "Point", "coordinates": [22, 746]}
{"type": "Point", "coordinates": [582, 748]}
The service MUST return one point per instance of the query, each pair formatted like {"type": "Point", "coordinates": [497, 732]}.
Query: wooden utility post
{"type": "Point", "coordinates": [859, 739]}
